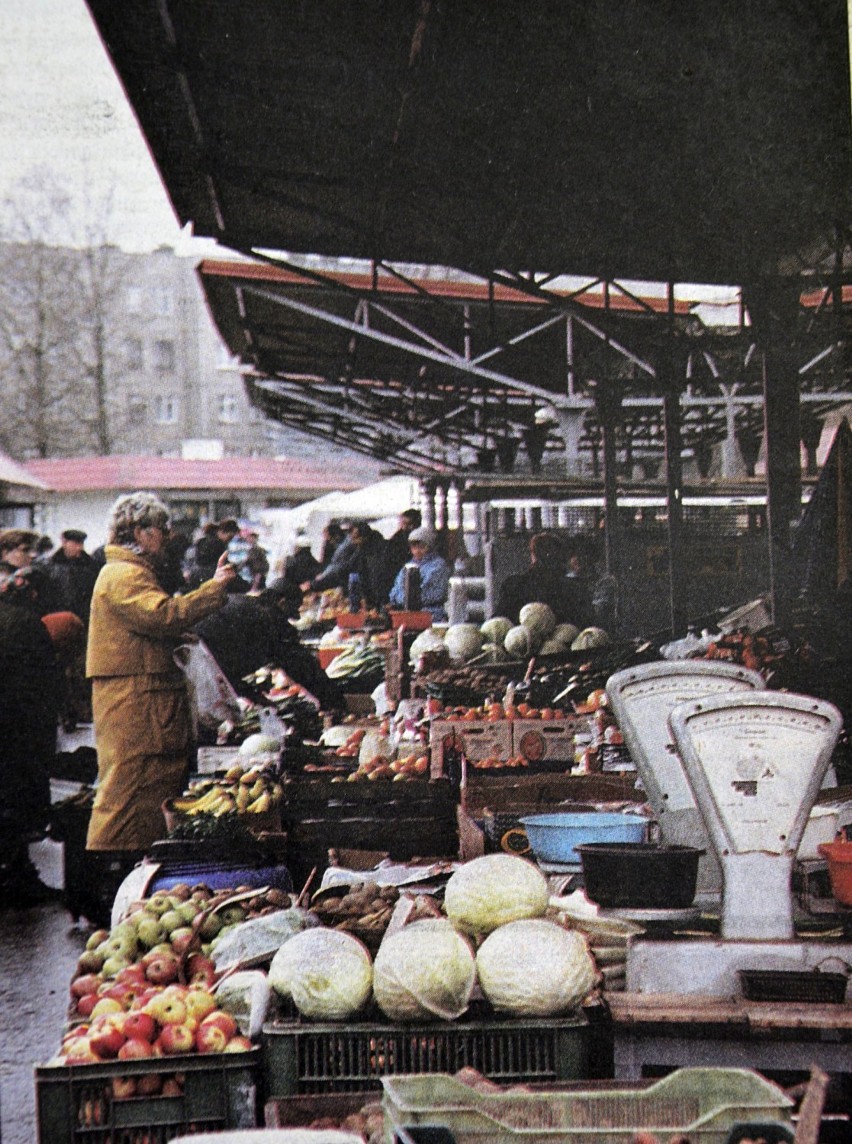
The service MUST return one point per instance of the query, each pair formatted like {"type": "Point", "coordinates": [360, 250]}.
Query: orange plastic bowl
{"type": "Point", "coordinates": [839, 858]}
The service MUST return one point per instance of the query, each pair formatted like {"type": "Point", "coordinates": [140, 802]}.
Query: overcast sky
{"type": "Point", "coordinates": [62, 107]}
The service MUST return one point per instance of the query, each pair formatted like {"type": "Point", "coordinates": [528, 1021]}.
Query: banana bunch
{"type": "Point", "coordinates": [244, 791]}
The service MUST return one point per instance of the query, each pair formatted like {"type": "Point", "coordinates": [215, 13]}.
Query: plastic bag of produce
{"type": "Point", "coordinates": [252, 942]}
{"type": "Point", "coordinates": [327, 973]}
{"type": "Point", "coordinates": [212, 698]}
{"type": "Point", "coordinates": [424, 970]}
{"type": "Point", "coordinates": [246, 996]}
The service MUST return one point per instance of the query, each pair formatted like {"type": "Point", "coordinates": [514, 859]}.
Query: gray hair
{"type": "Point", "coordinates": [135, 510]}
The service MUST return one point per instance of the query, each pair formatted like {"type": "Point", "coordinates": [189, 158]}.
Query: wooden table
{"type": "Point", "coordinates": [663, 1030]}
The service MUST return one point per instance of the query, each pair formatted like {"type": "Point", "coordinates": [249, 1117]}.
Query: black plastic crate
{"type": "Point", "coordinates": [78, 1103]}
{"type": "Point", "coordinates": [808, 986]}
{"type": "Point", "coordinates": [306, 1057]}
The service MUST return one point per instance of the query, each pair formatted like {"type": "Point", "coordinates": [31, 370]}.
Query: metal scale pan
{"type": "Point", "coordinates": [755, 762]}
{"type": "Point", "coordinates": [642, 698]}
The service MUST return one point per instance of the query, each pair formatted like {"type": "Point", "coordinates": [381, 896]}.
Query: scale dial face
{"type": "Point", "coordinates": [642, 700]}
{"type": "Point", "coordinates": [755, 767]}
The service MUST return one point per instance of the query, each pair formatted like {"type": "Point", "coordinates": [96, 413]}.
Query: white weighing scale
{"type": "Point", "coordinates": [755, 761]}
{"type": "Point", "coordinates": [642, 698]}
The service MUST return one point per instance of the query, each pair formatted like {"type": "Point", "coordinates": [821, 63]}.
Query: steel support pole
{"type": "Point", "coordinates": [609, 408]}
{"type": "Point", "coordinates": [773, 306]}
{"type": "Point", "coordinates": [673, 444]}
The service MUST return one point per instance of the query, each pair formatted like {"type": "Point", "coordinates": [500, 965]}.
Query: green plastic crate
{"type": "Point", "coordinates": [306, 1057]}
{"type": "Point", "coordinates": [700, 1103]}
{"type": "Point", "coordinates": [75, 1104]}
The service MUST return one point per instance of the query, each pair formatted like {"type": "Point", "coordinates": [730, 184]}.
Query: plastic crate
{"type": "Point", "coordinates": [700, 1103]}
{"type": "Point", "coordinates": [302, 1057]}
{"type": "Point", "coordinates": [77, 1103]}
{"type": "Point", "coordinates": [301, 1111]}
{"type": "Point", "coordinates": [809, 986]}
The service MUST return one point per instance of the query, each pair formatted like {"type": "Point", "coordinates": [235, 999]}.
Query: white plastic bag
{"type": "Point", "coordinates": [212, 698]}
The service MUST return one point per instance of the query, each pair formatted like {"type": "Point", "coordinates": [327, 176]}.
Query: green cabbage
{"type": "Point", "coordinates": [463, 641]}
{"type": "Point", "coordinates": [565, 634]}
{"type": "Point", "coordinates": [539, 618]}
{"type": "Point", "coordinates": [489, 891]}
{"type": "Point", "coordinates": [519, 642]}
{"type": "Point", "coordinates": [535, 968]}
{"type": "Point", "coordinates": [496, 629]}
{"type": "Point", "coordinates": [590, 638]}
{"type": "Point", "coordinates": [425, 970]}
{"type": "Point", "coordinates": [328, 973]}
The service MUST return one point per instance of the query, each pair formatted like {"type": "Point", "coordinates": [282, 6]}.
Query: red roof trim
{"type": "Point", "coordinates": [127, 473]}
{"type": "Point", "coordinates": [442, 288]}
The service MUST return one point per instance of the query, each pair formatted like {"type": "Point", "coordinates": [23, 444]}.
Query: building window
{"type": "Point", "coordinates": [133, 353]}
{"type": "Point", "coordinates": [228, 411]}
{"type": "Point", "coordinates": [164, 303]}
{"type": "Point", "coordinates": [137, 409]}
{"type": "Point", "coordinates": [165, 410]}
{"type": "Point", "coordinates": [164, 355]}
{"type": "Point", "coordinates": [134, 300]}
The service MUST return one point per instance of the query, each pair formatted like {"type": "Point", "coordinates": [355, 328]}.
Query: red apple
{"type": "Point", "coordinates": [176, 1039]}
{"type": "Point", "coordinates": [200, 969]}
{"type": "Point", "coordinates": [181, 939]}
{"type": "Point", "coordinates": [107, 1005]}
{"type": "Point", "coordinates": [210, 1039]}
{"type": "Point", "coordinates": [149, 1084]}
{"type": "Point", "coordinates": [238, 1044]}
{"type": "Point", "coordinates": [223, 1021]}
{"type": "Point", "coordinates": [106, 1041]}
{"type": "Point", "coordinates": [172, 1087]}
{"type": "Point", "coordinates": [132, 974]}
{"type": "Point", "coordinates": [86, 1004]}
{"type": "Point", "coordinates": [135, 1047]}
{"type": "Point", "coordinates": [139, 1025]}
{"type": "Point", "coordinates": [85, 984]}
{"type": "Point", "coordinates": [162, 969]}
{"type": "Point", "coordinates": [79, 1052]}
{"type": "Point", "coordinates": [123, 1087]}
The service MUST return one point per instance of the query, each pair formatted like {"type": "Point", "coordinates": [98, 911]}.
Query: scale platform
{"type": "Point", "coordinates": [654, 917]}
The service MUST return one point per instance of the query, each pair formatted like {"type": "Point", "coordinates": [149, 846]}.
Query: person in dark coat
{"type": "Point", "coordinates": [301, 566]}
{"type": "Point", "coordinates": [29, 691]}
{"type": "Point", "coordinates": [333, 536]}
{"type": "Point", "coordinates": [545, 582]}
{"type": "Point", "coordinates": [202, 557]}
{"type": "Point", "coordinates": [251, 632]}
{"type": "Point", "coordinates": [74, 572]}
{"type": "Point", "coordinates": [398, 552]}
{"type": "Point", "coordinates": [371, 567]}
{"type": "Point", "coordinates": [18, 548]}
{"type": "Point", "coordinates": [336, 573]}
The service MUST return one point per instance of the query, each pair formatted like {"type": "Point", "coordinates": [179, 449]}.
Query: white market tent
{"type": "Point", "coordinates": [379, 503]}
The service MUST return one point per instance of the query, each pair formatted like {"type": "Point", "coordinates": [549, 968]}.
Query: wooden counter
{"type": "Point", "coordinates": [652, 1030]}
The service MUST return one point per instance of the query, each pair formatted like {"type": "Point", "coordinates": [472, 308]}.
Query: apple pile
{"type": "Point", "coordinates": [398, 770]}
{"type": "Point", "coordinates": [163, 940]}
{"type": "Point", "coordinates": [133, 1020]}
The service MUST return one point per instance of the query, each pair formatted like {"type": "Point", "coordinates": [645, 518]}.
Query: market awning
{"type": "Point", "coordinates": [447, 371]}
{"type": "Point", "coordinates": [675, 142]}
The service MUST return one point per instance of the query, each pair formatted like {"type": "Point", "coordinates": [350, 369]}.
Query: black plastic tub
{"type": "Point", "coordinates": [639, 875]}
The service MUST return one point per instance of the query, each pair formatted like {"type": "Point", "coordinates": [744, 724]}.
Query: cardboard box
{"type": "Point", "coordinates": [476, 739]}
{"type": "Point", "coordinates": [547, 740]}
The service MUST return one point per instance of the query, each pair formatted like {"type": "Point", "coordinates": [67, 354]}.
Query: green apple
{"type": "Point", "coordinates": [158, 904]}
{"type": "Point", "coordinates": [188, 910]}
{"type": "Point", "coordinates": [151, 931]}
{"type": "Point", "coordinates": [90, 961]}
{"type": "Point", "coordinates": [232, 915]}
{"type": "Point", "coordinates": [97, 938]}
{"type": "Point", "coordinates": [114, 965]}
{"type": "Point", "coordinates": [171, 920]}
{"type": "Point", "coordinates": [210, 926]}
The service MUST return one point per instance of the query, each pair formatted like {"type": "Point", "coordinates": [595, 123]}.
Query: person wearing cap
{"type": "Point", "coordinates": [434, 575]}
{"type": "Point", "coordinates": [74, 573]}
{"type": "Point", "coordinates": [251, 632]}
{"type": "Point", "coordinates": [140, 705]}
{"type": "Point", "coordinates": [301, 565]}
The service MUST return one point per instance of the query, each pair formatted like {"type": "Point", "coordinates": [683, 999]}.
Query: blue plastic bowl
{"type": "Point", "coordinates": [555, 837]}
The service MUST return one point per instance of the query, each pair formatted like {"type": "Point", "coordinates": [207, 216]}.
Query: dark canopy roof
{"type": "Point", "coordinates": [685, 140]}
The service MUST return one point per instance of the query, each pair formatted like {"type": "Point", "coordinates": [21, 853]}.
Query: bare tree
{"type": "Point", "coordinates": [59, 294]}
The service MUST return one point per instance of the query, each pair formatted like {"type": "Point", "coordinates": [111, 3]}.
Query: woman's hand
{"type": "Point", "coordinates": [225, 571]}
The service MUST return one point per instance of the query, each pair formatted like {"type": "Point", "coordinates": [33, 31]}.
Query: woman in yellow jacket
{"type": "Point", "coordinates": [142, 722]}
